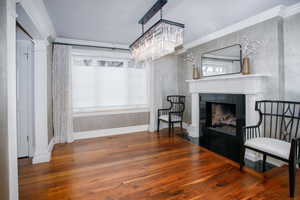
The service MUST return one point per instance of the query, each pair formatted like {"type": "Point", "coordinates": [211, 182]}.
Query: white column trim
{"type": "Point", "coordinates": [193, 128]}
{"type": "Point", "coordinates": [41, 153]}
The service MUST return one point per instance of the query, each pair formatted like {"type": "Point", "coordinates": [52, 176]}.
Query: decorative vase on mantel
{"type": "Point", "coordinates": [246, 66]}
{"type": "Point", "coordinates": [249, 48]}
{"type": "Point", "coordinates": [196, 74]}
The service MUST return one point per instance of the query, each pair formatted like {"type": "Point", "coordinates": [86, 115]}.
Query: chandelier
{"type": "Point", "coordinates": [160, 39]}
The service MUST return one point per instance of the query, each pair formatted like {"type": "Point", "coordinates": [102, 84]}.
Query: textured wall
{"type": "Point", "coordinates": [268, 60]}
{"type": "Point", "coordinates": [292, 57]}
{"type": "Point", "coordinates": [89, 123]}
{"type": "Point", "coordinates": [4, 181]}
{"type": "Point", "coordinates": [166, 72]}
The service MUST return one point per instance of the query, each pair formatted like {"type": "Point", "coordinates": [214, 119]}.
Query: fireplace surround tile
{"type": "Point", "coordinates": [218, 140]}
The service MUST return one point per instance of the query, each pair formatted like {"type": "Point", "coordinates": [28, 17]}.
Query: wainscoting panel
{"type": "Point", "coordinates": [112, 121]}
{"type": "Point", "coordinates": [109, 132]}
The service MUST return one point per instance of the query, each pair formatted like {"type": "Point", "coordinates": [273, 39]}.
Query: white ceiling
{"type": "Point", "coordinates": [116, 21]}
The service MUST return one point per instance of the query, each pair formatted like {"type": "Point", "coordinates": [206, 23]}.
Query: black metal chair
{"type": "Point", "coordinates": [174, 114]}
{"type": "Point", "coordinates": [276, 135]}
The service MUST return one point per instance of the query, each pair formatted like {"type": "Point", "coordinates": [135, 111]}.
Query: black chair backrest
{"type": "Point", "coordinates": [177, 103]}
{"type": "Point", "coordinates": [279, 119]}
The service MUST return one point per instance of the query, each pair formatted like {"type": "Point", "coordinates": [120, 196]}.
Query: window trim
{"type": "Point", "coordinates": [109, 110]}
{"type": "Point", "coordinates": [101, 53]}
{"type": "Point", "coordinates": [112, 110]}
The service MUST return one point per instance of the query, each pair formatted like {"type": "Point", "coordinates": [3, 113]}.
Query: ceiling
{"type": "Point", "coordinates": [116, 21]}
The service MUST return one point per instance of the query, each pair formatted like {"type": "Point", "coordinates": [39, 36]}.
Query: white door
{"type": "Point", "coordinates": [24, 97]}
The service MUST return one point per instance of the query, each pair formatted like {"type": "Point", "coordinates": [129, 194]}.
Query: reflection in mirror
{"type": "Point", "coordinates": [223, 61]}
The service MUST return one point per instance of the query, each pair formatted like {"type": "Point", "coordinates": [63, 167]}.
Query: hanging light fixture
{"type": "Point", "coordinates": [160, 39]}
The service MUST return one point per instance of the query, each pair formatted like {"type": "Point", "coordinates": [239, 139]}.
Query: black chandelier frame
{"type": "Point", "coordinates": [150, 13]}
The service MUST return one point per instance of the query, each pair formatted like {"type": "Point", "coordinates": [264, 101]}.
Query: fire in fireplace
{"type": "Point", "coordinates": [223, 117]}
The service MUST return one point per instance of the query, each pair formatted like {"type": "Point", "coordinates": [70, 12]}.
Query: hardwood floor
{"type": "Point", "coordinates": [144, 166]}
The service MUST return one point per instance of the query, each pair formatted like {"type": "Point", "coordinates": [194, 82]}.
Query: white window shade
{"type": "Point", "coordinates": [107, 83]}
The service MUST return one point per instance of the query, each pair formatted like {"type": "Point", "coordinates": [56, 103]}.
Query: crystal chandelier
{"type": "Point", "coordinates": [160, 39]}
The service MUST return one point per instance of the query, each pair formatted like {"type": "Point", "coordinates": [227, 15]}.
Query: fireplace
{"type": "Point", "coordinates": [222, 117]}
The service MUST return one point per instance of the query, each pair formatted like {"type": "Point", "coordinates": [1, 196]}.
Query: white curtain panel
{"type": "Point", "coordinates": [62, 94]}
{"type": "Point", "coordinates": [155, 93]}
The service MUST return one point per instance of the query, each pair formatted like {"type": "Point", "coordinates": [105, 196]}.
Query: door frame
{"type": "Point", "coordinates": [43, 26]}
{"type": "Point", "coordinates": [35, 20]}
{"type": "Point", "coordinates": [30, 133]}
{"type": "Point", "coordinates": [9, 7]}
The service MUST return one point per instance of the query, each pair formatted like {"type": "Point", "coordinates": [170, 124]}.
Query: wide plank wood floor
{"type": "Point", "coordinates": [144, 166]}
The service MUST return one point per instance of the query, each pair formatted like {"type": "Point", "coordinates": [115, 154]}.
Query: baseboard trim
{"type": "Point", "coordinates": [164, 125]}
{"type": "Point", "coordinates": [41, 158]}
{"type": "Point", "coordinates": [254, 156]}
{"type": "Point", "coordinates": [251, 155]}
{"type": "Point", "coordinates": [109, 132]}
{"type": "Point", "coordinates": [185, 125]}
{"type": "Point", "coordinates": [51, 145]}
{"type": "Point", "coordinates": [44, 156]}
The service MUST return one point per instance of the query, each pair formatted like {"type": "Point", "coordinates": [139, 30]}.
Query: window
{"type": "Point", "coordinates": [101, 83]}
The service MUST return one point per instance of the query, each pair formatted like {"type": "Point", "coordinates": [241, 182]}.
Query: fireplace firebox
{"type": "Point", "coordinates": [222, 117]}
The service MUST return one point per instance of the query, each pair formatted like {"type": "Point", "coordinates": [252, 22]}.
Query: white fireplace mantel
{"type": "Point", "coordinates": [232, 84]}
{"type": "Point", "coordinates": [253, 86]}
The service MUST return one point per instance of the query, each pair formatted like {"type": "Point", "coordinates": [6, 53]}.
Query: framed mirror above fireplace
{"type": "Point", "coordinates": [224, 61]}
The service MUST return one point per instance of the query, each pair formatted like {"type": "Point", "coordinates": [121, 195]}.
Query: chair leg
{"type": "Point", "coordinates": [242, 157]}
{"type": "Point", "coordinates": [181, 126]}
{"type": "Point", "coordinates": [169, 124]}
{"type": "Point", "coordinates": [264, 162]}
{"type": "Point", "coordinates": [292, 178]}
{"type": "Point", "coordinates": [158, 122]}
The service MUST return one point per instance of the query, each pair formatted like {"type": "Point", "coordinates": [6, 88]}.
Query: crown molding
{"type": "Point", "coordinates": [291, 10]}
{"type": "Point", "coordinates": [278, 11]}
{"type": "Point", "coordinates": [90, 43]}
{"type": "Point", "coordinates": [266, 15]}
{"type": "Point", "coordinates": [39, 16]}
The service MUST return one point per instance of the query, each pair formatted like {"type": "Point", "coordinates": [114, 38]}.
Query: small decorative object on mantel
{"type": "Point", "coordinates": [191, 59]}
{"type": "Point", "coordinates": [250, 48]}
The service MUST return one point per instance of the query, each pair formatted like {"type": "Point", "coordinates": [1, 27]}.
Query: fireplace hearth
{"type": "Point", "coordinates": [222, 117]}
